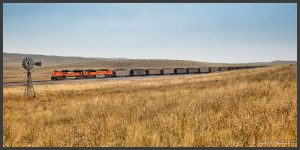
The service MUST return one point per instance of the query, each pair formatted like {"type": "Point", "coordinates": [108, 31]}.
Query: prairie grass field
{"type": "Point", "coordinates": [253, 107]}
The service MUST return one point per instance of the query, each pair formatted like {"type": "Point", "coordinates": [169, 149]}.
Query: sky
{"type": "Point", "coordinates": [229, 33]}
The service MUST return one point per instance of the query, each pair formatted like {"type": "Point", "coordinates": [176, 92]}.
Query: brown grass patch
{"type": "Point", "coordinates": [255, 107]}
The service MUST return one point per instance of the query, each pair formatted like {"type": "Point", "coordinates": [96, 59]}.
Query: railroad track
{"type": "Point", "coordinates": [22, 83]}
{"type": "Point", "coordinates": [98, 78]}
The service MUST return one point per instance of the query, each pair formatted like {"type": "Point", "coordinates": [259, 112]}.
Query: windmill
{"type": "Point", "coordinates": [28, 64]}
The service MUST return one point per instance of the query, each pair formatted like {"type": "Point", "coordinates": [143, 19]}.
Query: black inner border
{"type": "Point", "coordinates": [145, 1]}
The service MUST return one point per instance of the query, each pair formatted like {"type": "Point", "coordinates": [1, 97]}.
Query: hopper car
{"type": "Point", "coordinates": [166, 71]}
{"type": "Point", "coordinates": [203, 70]}
{"type": "Point", "coordinates": [137, 72]}
{"type": "Point", "coordinates": [180, 70]}
{"type": "Point", "coordinates": [241, 67]}
{"type": "Point", "coordinates": [213, 69]}
{"type": "Point", "coordinates": [121, 73]}
{"type": "Point", "coordinates": [232, 68]}
{"type": "Point", "coordinates": [192, 70]}
{"type": "Point", "coordinates": [223, 68]}
{"type": "Point", "coordinates": [153, 72]}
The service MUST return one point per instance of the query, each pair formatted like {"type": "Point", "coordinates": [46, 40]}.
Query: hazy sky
{"type": "Point", "coordinates": [202, 32]}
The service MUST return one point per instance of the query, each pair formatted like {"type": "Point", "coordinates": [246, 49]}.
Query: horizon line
{"type": "Point", "coordinates": [148, 58]}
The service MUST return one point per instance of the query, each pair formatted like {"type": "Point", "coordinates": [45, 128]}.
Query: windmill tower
{"type": "Point", "coordinates": [28, 64]}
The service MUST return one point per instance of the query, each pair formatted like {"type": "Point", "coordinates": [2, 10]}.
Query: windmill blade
{"type": "Point", "coordinates": [28, 63]}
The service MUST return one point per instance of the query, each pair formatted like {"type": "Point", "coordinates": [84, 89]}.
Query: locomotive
{"type": "Point", "coordinates": [94, 73]}
{"type": "Point", "coordinates": [80, 74]}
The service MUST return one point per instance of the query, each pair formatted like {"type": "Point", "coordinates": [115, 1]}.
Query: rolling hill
{"type": "Point", "coordinates": [13, 71]}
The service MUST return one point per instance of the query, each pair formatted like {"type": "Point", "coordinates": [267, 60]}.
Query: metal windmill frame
{"type": "Point", "coordinates": [28, 64]}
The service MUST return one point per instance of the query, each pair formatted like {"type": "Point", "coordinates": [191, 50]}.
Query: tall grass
{"type": "Point", "coordinates": [254, 107]}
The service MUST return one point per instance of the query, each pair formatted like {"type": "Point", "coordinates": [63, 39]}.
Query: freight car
{"type": "Point", "coordinates": [223, 69]}
{"type": "Point", "coordinates": [137, 72]}
{"type": "Point", "coordinates": [152, 72]}
{"type": "Point", "coordinates": [121, 73]}
{"type": "Point", "coordinates": [166, 71]}
{"type": "Point", "coordinates": [232, 68]}
{"type": "Point", "coordinates": [249, 67]}
{"type": "Point", "coordinates": [192, 70]}
{"type": "Point", "coordinates": [203, 70]}
{"type": "Point", "coordinates": [180, 71]}
{"type": "Point", "coordinates": [241, 67]}
{"type": "Point", "coordinates": [213, 69]}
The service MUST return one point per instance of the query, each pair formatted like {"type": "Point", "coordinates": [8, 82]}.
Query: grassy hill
{"type": "Point", "coordinates": [13, 60]}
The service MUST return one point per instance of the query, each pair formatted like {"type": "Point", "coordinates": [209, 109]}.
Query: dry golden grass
{"type": "Point", "coordinates": [254, 107]}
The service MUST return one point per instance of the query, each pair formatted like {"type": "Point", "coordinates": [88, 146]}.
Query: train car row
{"type": "Point", "coordinates": [93, 73]}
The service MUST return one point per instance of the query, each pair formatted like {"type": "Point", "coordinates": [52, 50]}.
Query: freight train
{"type": "Point", "coordinates": [94, 73]}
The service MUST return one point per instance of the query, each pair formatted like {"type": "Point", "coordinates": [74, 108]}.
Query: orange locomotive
{"type": "Point", "coordinates": [92, 73]}
{"type": "Point", "coordinates": [80, 74]}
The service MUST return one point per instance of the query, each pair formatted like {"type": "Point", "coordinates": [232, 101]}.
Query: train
{"type": "Point", "coordinates": [94, 73]}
